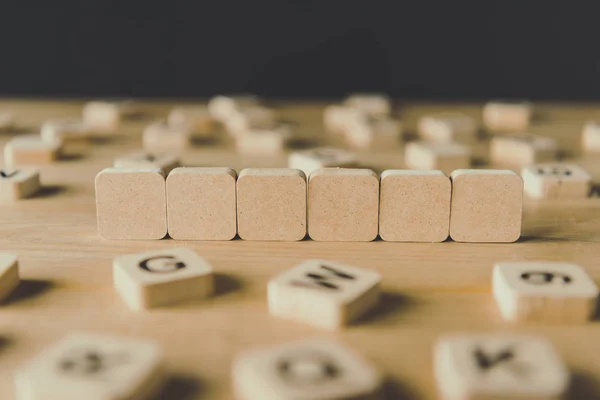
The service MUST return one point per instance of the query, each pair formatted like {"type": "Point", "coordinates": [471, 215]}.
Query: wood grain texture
{"type": "Point", "coordinates": [430, 289]}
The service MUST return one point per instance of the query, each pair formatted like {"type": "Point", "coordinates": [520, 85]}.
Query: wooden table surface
{"type": "Point", "coordinates": [430, 289]}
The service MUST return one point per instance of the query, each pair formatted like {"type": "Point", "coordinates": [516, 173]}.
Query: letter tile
{"type": "Point", "coordinates": [448, 128]}
{"type": "Point", "coordinates": [63, 130]}
{"type": "Point", "coordinates": [443, 156]}
{"type": "Point", "coordinates": [18, 183]}
{"type": "Point", "coordinates": [141, 159]}
{"type": "Point", "coordinates": [381, 133]}
{"type": "Point", "coordinates": [31, 150]}
{"type": "Point", "coordinates": [372, 104]}
{"type": "Point", "coordinates": [556, 181]}
{"type": "Point", "coordinates": [159, 137]}
{"type": "Point", "coordinates": [590, 138]}
{"type": "Point", "coordinates": [522, 149]}
{"type": "Point", "coordinates": [196, 119]}
{"type": "Point", "coordinates": [323, 157]}
{"type": "Point", "coordinates": [263, 141]}
{"type": "Point", "coordinates": [223, 107]}
{"type": "Point", "coordinates": [507, 116]}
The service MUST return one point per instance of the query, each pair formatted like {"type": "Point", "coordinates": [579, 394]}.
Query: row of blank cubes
{"type": "Point", "coordinates": [335, 204]}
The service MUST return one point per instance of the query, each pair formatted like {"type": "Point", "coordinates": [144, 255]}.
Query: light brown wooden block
{"type": "Point", "coordinates": [196, 119]}
{"type": "Point", "coordinates": [373, 104]}
{"type": "Point", "coordinates": [30, 150]}
{"type": "Point", "coordinates": [414, 206]}
{"type": "Point", "coordinates": [263, 141]}
{"type": "Point", "coordinates": [201, 204]}
{"type": "Point", "coordinates": [142, 159]}
{"type": "Point", "coordinates": [590, 138]}
{"type": "Point", "coordinates": [337, 118]}
{"type": "Point", "coordinates": [223, 107]}
{"type": "Point", "coordinates": [324, 294]}
{"type": "Point", "coordinates": [63, 130]}
{"type": "Point", "coordinates": [544, 291]}
{"type": "Point", "coordinates": [487, 206]}
{"type": "Point", "coordinates": [312, 369]}
{"type": "Point", "coordinates": [343, 205]}
{"type": "Point", "coordinates": [7, 121]}
{"type": "Point", "coordinates": [159, 137]}
{"type": "Point", "coordinates": [9, 274]}
{"type": "Point", "coordinates": [18, 183]}
{"type": "Point", "coordinates": [381, 133]}
{"type": "Point", "coordinates": [271, 204]}
{"type": "Point", "coordinates": [556, 181]}
{"type": "Point", "coordinates": [162, 277]}
{"type": "Point", "coordinates": [250, 118]}
{"type": "Point", "coordinates": [522, 149]}
{"type": "Point", "coordinates": [91, 366]}
{"type": "Point", "coordinates": [131, 203]}
{"type": "Point", "coordinates": [448, 128]}
{"type": "Point", "coordinates": [507, 116]}
{"type": "Point", "coordinates": [508, 366]}
{"type": "Point", "coordinates": [446, 157]}
{"type": "Point", "coordinates": [323, 157]}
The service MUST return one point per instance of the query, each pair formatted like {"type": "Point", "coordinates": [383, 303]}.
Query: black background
{"type": "Point", "coordinates": [282, 48]}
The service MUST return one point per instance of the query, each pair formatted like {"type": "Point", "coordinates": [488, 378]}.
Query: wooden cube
{"type": "Point", "coordinates": [414, 206]}
{"type": "Point", "coordinates": [196, 119]}
{"type": "Point", "coordinates": [263, 141]}
{"type": "Point", "coordinates": [271, 204]}
{"type": "Point", "coordinates": [64, 130]}
{"type": "Point", "coordinates": [374, 104]}
{"type": "Point", "coordinates": [443, 156]}
{"type": "Point", "coordinates": [544, 291]}
{"type": "Point", "coordinates": [131, 203]}
{"type": "Point", "coordinates": [91, 366]}
{"type": "Point", "coordinates": [223, 107]}
{"type": "Point", "coordinates": [590, 139]}
{"type": "Point", "coordinates": [309, 369]}
{"type": "Point", "coordinates": [146, 160]}
{"type": "Point", "coordinates": [507, 116]}
{"type": "Point", "coordinates": [486, 206]}
{"type": "Point", "coordinates": [18, 183]}
{"type": "Point", "coordinates": [380, 133]}
{"type": "Point", "coordinates": [324, 294]}
{"type": "Point", "coordinates": [163, 277]}
{"type": "Point", "coordinates": [159, 137]}
{"type": "Point", "coordinates": [250, 118]}
{"type": "Point", "coordinates": [523, 149]}
{"type": "Point", "coordinates": [7, 121]}
{"type": "Point", "coordinates": [105, 116]}
{"type": "Point", "coordinates": [556, 181]}
{"type": "Point", "coordinates": [323, 157]}
{"type": "Point", "coordinates": [509, 366]}
{"type": "Point", "coordinates": [201, 204]}
{"type": "Point", "coordinates": [31, 150]}
{"type": "Point", "coordinates": [9, 274]}
{"type": "Point", "coordinates": [343, 205]}
{"type": "Point", "coordinates": [338, 118]}
{"type": "Point", "coordinates": [448, 128]}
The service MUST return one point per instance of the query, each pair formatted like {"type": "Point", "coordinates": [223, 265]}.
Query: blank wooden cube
{"type": "Point", "coordinates": [271, 204]}
{"type": "Point", "coordinates": [223, 107]}
{"type": "Point", "coordinates": [263, 141]}
{"type": "Point", "coordinates": [63, 130]}
{"type": "Point", "coordinates": [337, 118]}
{"type": "Point", "coordinates": [201, 204]}
{"type": "Point", "coordinates": [147, 160]}
{"type": "Point", "coordinates": [448, 128]}
{"type": "Point", "coordinates": [414, 206]}
{"type": "Point", "coordinates": [312, 369]}
{"type": "Point", "coordinates": [159, 137]}
{"type": "Point", "coordinates": [507, 116]}
{"type": "Point", "coordinates": [556, 181]}
{"type": "Point", "coordinates": [131, 203]}
{"type": "Point", "coordinates": [91, 366]}
{"type": "Point", "coordinates": [380, 133]}
{"type": "Point", "coordinates": [509, 366]}
{"type": "Point", "coordinates": [7, 121]}
{"type": "Point", "coordinates": [544, 291]}
{"type": "Point", "coordinates": [31, 150]}
{"type": "Point", "coordinates": [250, 118]}
{"type": "Point", "coordinates": [443, 156]}
{"type": "Point", "coordinates": [196, 119]}
{"type": "Point", "coordinates": [486, 206]}
{"type": "Point", "coordinates": [323, 293]}
{"type": "Point", "coordinates": [18, 183]}
{"type": "Point", "coordinates": [590, 138]}
{"type": "Point", "coordinates": [520, 150]}
{"type": "Point", "coordinates": [323, 157]}
{"type": "Point", "coordinates": [161, 278]}
{"type": "Point", "coordinates": [343, 205]}
{"type": "Point", "coordinates": [374, 104]}
{"type": "Point", "coordinates": [9, 274]}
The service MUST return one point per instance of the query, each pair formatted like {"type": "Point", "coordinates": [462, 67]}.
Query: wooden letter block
{"type": "Point", "coordinates": [555, 181]}
{"type": "Point", "coordinates": [414, 206]}
{"type": "Point", "coordinates": [313, 369]}
{"type": "Point", "coordinates": [250, 118]}
{"type": "Point", "coordinates": [485, 367]}
{"type": "Point", "coordinates": [337, 118]}
{"type": "Point", "coordinates": [324, 294]}
{"type": "Point", "coordinates": [520, 150]}
{"type": "Point", "coordinates": [324, 157]}
{"type": "Point", "coordinates": [380, 133]}
{"type": "Point", "coordinates": [448, 128]}
{"type": "Point", "coordinates": [443, 156]}
{"type": "Point", "coordinates": [31, 150]}
{"type": "Point", "coordinates": [487, 206]}
{"type": "Point", "coordinates": [18, 183]}
{"type": "Point", "coordinates": [196, 119]}
{"type": "Point", "coordinates": [507, 116]}
{"type": "Point", "coordinates": [160, 278]}
{"type": "Point", "coordinates": [105, 116]}
{"type": "Point", "coordinates": [201, 204]}
{"type": "Point", "coordinates": [544, 291]}
{"type": "Point", "coordinates": [271, 204]}
{"type": "Point", "coordinates": [343, 205]}
{"type": "Point", "coordinates": [223, 107]}
{"type": "Point", "coordinates": [263, 141]}
{"type": "Point", "coordinates": [9, 274]}
{"type": "Point", "coordinates": [160, 137]}
{"type": "Point", "coordinates": [63, 130]}
{"type": "Point", "coordinates": [590, 138]}
{"type": "Point", "coordinates": [373, 104]}
{"type": "Point", "coordinates": [131, 203]}
{"type": "Point", "coordinates": [144, 160]}
{"type": "Point", "coordinates": [86, 366]}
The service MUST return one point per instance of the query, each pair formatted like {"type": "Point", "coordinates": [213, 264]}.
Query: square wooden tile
{"type": "Point", "coordinates": [64, 130]}
{"type": "Point", "coordinates": [31, 150]}
{"type": "Point", "coordinates": [556, 181]}
{"type": "Point", "coordinates": [522, 149]}
{"type": "Point", "coordinates": [377, 134]}
{"type": "Point", "coordinates": [590, 138]}
{"type": "Point", "coordinates": [263, 141]}
{"type": "Point", "coordinates": [321, 157]}
{"type": "Point", "coordinates": [337, 118]}
{"type": "Point", "coordinates": [148, 160]}
{"type": "Point", "coordinates": [223, 107]}
{"type": "Point", "coordinates": [448, 128]}
{"type": "Point", "coordinates": [196, 119]}
{"type": "Point", "coordinates": [105, 116]}
{"type": "Point", "coordinates": [374, 104]}
{"type": "Point", "coordinates": [507, 116]}
{"type": "Point", "coordinates": [250, 118]}
{"type": "Point", "coordinates": [159, 137]}
{"type": "Point", "coordinates": [9, 274]}
{"type": "Point", "coordinates": [18, 183]}
{"type": "Point", "coordinates": [446, 157]}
